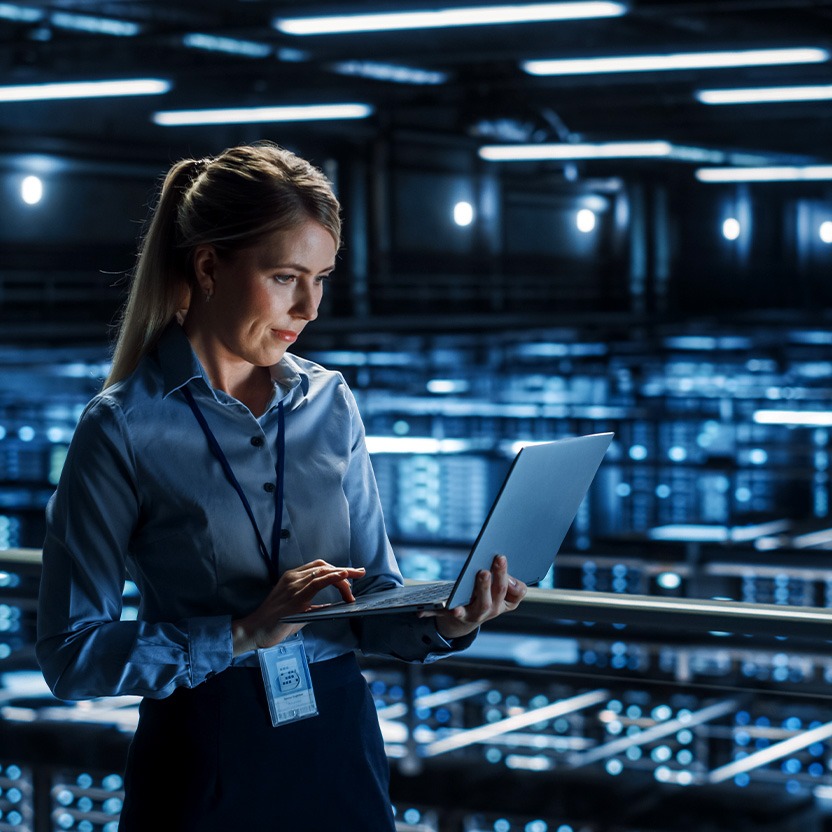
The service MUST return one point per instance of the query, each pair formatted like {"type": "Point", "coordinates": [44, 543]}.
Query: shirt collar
{"type": "Point", "coordinates": [180, 365]}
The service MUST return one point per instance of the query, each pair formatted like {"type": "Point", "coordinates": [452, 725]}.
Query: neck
{"type": "Point", "coordinates": [248, 383]}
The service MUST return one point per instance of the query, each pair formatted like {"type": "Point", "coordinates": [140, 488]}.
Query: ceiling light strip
{"type": "Point", "coordinates": [776, 173]}
{"type": "Point", "coordinates": [230, 46]}
{"type": "Point", "coordinates": [94, 25]}
{"type": "Point", "coordinates": [766, 95]}
{"type": "Point", "coordinates": [447, 18]}
{"type": "Point", "coordinates": [677, 61]}
{"type": "Point", "coordinates": [252, 115]}
{"type": "Point", "coordinates": [574, 151]}
{"type": "Point", "coordinates": [84, 89]}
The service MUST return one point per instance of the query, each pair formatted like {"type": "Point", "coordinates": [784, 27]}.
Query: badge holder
{"type": "Point", "coordinates": [288, 683]}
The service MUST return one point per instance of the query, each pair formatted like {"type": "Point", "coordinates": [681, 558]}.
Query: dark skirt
{"type": "Point", "coordinates": [208, 759]}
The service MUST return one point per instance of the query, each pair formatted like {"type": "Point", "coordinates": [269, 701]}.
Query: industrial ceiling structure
{"type": "Point", "coordinates": [476, 81]}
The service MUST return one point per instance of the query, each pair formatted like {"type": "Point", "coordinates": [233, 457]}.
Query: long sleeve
{"type": "Point", "coordinates": [83, 647]}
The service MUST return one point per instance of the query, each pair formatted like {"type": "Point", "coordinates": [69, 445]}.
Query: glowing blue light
{"type": "Point", "coordinates": [638, 452]}
{"type": "Point", "coordinates": [31, 190]}
{"type": "Point", "coordinates": [614, 767]}
{"type": "Point", "coordinates": [731, 228]}
{"type": "Point", "coordinates": [662, 774]}
{"type": "Point", "coordinates": [661, 754]}
{"type": "Point", "coordinates": [669, 580]}
{"type": "Point", "coordinates": [585, 220]}
{"type": "Point", "coordinates": [677, 453]}
{"type": "Point", "coordinates": [463, 213]}
{"type": "Point", "coordinates": [231, 46]}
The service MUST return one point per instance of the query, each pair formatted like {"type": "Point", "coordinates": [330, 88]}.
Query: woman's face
{"type": "Point", "coordinates": [262, 297]}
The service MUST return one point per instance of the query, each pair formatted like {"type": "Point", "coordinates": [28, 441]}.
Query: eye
{"type": "Point", "coordinates": [283, 278]}
{"type": "Point", "coordinates": [324, 278]}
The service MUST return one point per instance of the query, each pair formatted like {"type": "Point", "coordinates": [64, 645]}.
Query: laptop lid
{"type": "Point", "coordinates": [528, 521]}
{"type": "Point", "coordinates": [534, 509]}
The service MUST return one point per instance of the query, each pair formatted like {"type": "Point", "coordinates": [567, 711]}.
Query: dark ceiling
{"type": "Point", "coordinates": [487, 96]}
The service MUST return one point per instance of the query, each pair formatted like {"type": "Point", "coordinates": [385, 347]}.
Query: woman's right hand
{"type": "Point", "coordinates": [293, 593]}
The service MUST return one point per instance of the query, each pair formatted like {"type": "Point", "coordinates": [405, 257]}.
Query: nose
{"type": "Point", "coordinates": [306, 300]}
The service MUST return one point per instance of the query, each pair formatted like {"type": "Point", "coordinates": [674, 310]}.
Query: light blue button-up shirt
{"type": "Point", "coordinates": [142, 497]}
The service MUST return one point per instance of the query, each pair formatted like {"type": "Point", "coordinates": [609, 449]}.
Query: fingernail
{"type": "Point", "coordinates": [512, 581]}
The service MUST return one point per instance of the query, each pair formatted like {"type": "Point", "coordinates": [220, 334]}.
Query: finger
{"type": "Point", "coordinates": [516, 591]}
{"type": "Point", "coordinates": [479, 606]}
{"type": "Point", "coordinates": [332, 576]}
{"type": "Point", "coordinates": [321, 573]}
{"type": "Point", "coordinates": [343, 586]}
{"type": "Point", "coordinates": [499, 580]}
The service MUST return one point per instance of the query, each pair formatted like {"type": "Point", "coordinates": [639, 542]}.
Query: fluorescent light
{"type": "Point", "coordinates": [569, 151]}
{"type": "Point", "coordinates": [676, 61]}
{"type": "Point", "coordinates": [84, 89]}
{"type": "Point", "coordinates": [415, 445]}
{"type": "Point", "coordinates": [231, 46]}
{"type": "Point", "coordinates": [445, 18]}
{"type": "Point", "coordinates": [250, 115]}
{"type": "Point", "coordinates": [796, 418]}
{"type": "Point", "coordinates": [96, 25]}
{"type": "Point", "coordinates": [21, 14]}
{"type": "Point", "coordinates": [777, 173]}
{"type": "Point", "coordinates": [766, 95]}
{"type": "Point", "coordinates": [389, 72]}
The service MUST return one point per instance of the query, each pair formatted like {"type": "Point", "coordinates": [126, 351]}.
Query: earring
{"type": "Point", "coordinates": [208, 296]}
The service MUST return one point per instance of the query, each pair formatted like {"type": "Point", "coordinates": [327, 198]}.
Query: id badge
{"type": "Point", "coordinates": [288, 683]}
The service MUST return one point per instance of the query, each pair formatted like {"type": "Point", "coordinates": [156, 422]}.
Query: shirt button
{"type": "Point", "coordinates": [268, 486]}
{"type": "Point", "coordinates": [257, 441]}
{"type": "Point", "coordinates": [285, 534]}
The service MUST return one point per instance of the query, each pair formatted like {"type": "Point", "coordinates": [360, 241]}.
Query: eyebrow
{"type": "Point", "coordinates": [299, 268]}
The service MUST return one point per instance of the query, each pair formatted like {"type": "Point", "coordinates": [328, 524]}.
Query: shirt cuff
{"type": "Point", "coordinates": [209, 646]}
{"type": "Point", "coordinates": [438, 645]}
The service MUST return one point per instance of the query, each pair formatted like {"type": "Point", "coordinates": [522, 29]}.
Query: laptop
{"type": "Point", "coordinates": [535, 507]}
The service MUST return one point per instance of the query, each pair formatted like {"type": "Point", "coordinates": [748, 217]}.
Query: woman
{"type": "Point", "coordinates": [230, 481]}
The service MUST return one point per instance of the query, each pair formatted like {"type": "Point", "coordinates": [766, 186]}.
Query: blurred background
{"type": "Point", "coordinates": [560, 218]}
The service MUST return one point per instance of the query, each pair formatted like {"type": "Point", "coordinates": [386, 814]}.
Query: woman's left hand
{"type": "Point", "coordinates": [495, 592]}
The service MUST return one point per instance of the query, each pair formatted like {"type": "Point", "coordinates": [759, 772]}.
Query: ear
{"type": "Point", "coordinates": [205, 264]}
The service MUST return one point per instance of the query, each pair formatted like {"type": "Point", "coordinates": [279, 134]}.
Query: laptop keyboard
{"type": "Point", "coordinates": [414, 595]}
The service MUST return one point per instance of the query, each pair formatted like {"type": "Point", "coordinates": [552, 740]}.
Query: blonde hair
{"type": "Point", "coordinates": [230, 201]}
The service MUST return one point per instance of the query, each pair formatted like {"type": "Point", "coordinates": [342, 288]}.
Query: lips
{"type": "Point", "coordinates": [286, 335]}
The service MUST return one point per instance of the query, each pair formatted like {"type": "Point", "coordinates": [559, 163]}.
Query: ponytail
{"type": "Point", "coordinates": [160, 283]}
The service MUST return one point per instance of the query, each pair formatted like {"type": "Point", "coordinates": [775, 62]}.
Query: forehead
{"type": "Point", "coordinates": [309, 245]}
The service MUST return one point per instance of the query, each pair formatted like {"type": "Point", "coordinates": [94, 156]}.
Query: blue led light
{"type": "Point", "coordinates": [669, 580]}
{"type": "Point", "coordinates": [614, 767]}
{"type": "Point", "coordinates": [638, 453]}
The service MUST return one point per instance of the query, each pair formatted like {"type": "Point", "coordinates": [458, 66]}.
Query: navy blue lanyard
{"type": "Point", "coordinates": [271, 558]}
